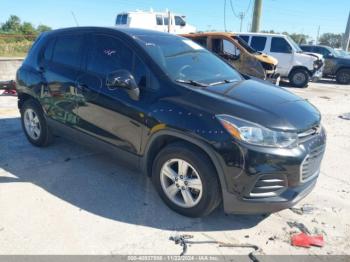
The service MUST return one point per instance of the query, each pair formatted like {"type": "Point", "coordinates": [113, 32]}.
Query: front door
{"type": "Point", "coordinates": [282, 51]}
{"type": "Point", "coordinates": [109, 114]}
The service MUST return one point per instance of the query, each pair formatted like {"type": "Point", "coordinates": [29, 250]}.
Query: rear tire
{"type": "Point", "coordinates": [343, 76]}
{"type": "Point", "coordinates": [192, 191]}
{"type": "Point", "coordinates": [34, 124]}
{"type": "Point", "coordinates": [299, 77]}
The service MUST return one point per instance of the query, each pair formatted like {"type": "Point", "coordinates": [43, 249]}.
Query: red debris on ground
{"type": "Point", "coordinates": [304, 240]}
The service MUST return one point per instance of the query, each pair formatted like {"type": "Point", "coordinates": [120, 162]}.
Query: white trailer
{"type": "Point", "coordinates": [155, 21]}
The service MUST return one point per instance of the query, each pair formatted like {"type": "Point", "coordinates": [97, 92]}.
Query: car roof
{"type": "Point", "coordinates": [95, 29]}
{"type": "Point", "coordinates": [325, 46]}
{"type": "Point", "coordinates": [257, 34]}
{"type": "Point", "coordinates": [229, 34]}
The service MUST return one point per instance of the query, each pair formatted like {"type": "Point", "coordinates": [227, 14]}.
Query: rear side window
{"type": "Point", "coordinates": [68, 50]}
{"type": "Point", "coordinates": [245, 38]}
{"type": "Point", "coordinates": [122, 19]}
{"type": "Point", "coordinates": [108, 54]}
{"type": "Point", "coordinates": [159, 19]}
{"type": "Point", "coordinates": [306, 48]}
{"type": "Point", "coordinates": [280, 45]}
{"type": "Point", "coordinates": [166, 20]}
{"type": "Point", "coordinates": [201, 41]}
{"type": "Point", "coordinates": [258, 43]}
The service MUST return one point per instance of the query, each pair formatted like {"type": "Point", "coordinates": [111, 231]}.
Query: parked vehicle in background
{"type": "Point", "coordinates": [158, 21]}
{"type": "Point", "coordinates": [341, 52]}
{"type": "Point", "coordinates": [293, 64]}
{"type": "Point", "coordinates": [189, 120]}
{"type": "Point", "coordinates": [336, 66]}
{"type": "Point", "coordinates": [238, 53]}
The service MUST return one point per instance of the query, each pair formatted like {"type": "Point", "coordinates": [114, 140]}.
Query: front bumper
{"type": "Point", "coordinates": [317, 74]}
{"type": "Point", "coordinates": [273, 179]}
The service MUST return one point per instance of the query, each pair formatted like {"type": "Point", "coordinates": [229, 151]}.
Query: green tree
{"type": "Point", "coordinates": [299, 38]}
{"type": "Point", "coordinates": [43, 28]}
{"type": "Point", "coordinates": [27, 29]}
{"type": "Point", "coordinates": [13, 24]}
{"type": "Point", "coordinates": [331, 39]}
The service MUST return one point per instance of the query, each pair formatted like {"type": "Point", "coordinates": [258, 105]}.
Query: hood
{"type": "Point", "coordinates": [318, 56]}
{"type": "Point", "coordinates": [266, 59]}
{"type": "Point", "coordinates": [345, 60]}
{"type": "Point", "coordinates": [262, 103]}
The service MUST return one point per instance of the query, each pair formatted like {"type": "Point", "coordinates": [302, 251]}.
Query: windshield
{"type": "Point", "coordinates": [184, 60]}
{"type": "Point", "coordinates": [245, 44]}
{"type": "Point", "coordinates": [294, 45]}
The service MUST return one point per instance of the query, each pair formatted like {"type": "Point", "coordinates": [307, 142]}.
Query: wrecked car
{"type": "Point", "coordinates": [238, 53]}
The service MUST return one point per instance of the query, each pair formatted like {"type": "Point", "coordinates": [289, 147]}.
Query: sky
{"type": "Point", "coordinates": [298, 16]}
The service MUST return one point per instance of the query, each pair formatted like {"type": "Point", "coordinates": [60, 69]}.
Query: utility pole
{"type": "Point", "coordinates": [346, 38]}
{"type": "Point", "coordinates": [169, 21]}
{"type": "Point", "coordinates": [318, 35]}
{"type": "Point", "coordinates": [256, 16]}
{"type": "Point", "coordinates": [241, 17]}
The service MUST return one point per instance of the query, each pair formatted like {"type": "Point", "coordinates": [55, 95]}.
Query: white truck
{"type": "Point", "coordinates": [299, 67]}
{"type": "Point", "coordinates": [155, 21]}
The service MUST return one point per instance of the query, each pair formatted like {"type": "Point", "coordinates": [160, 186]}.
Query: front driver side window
{"type": "Point", "coordinates": [280, 45]}
{"type": "Point", "coordinates": [109, 54]}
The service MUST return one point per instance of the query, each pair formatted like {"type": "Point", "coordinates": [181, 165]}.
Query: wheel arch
{"type": "Point", "coordinates": [163, 138]}
{"type": "Point", "coordinates": [299, 67]}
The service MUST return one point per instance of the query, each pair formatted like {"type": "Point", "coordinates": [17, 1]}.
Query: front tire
{"type": "Point", "coordinates": [186, 180]}
{"type": "Point", "coordinates": [34, 124]}
{"type": "Point", "coordinates": [299, 78]}
{"type": "Point", "coordinates": [343, 76]}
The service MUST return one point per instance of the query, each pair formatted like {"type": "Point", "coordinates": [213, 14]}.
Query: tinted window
{"type": "Point", "coordinates": [159, 19]}
{"type": "Point", "coordinates": [245, 38]}
{"type": "Point", "coordinates": [280, 45]}
{"type": "Point", "coordinates": [179, 20]}
{"type": "Point", "coordinates": [140, 73]}
{"type": "Point", "coordinates": [122, 19]}
{"type": "Point", "coordinates": [306, 48]}
{"type": "Point", "coordinates": [108, 54]}
{"type": "Point", "coordinates": [258, 43]}
{"type": "Point", "coordinates": [182, 59]}
{"type": "Point", "coordinates": [68, 50]}
{"type": "Point", "coordinates": [166, 20]}
{"type": "Point", "coordinates": [49, 49]}
{"type": "Point", "coordinates": [321, 50]}
{"type": "Point", "coordinates": [201, 41]}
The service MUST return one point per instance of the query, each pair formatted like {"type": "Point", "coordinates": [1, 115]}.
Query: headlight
{"type": "Point", "coordinates": [255, 134]}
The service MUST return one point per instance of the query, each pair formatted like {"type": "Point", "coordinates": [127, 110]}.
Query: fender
{"type": "Point", "coordinates": [195, 141]}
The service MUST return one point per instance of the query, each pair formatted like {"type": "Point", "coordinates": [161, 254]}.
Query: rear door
{"type": "Point", "coordinates": [61, 67]}
{"type": "Point", "coordinates": [282, 51]}
{"type": "Point", "coordinates": [111, 115]}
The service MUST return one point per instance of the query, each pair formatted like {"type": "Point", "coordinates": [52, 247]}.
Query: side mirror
{"type": "Point", "coordinates": [123, 79]}
{"type": "Point", "coordinates": [183, 23]}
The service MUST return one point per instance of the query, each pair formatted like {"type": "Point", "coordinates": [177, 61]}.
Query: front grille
{"type": "Point", "coordinates": [311, 164]}
{"type": "Point", "coordinates": [269, 186]}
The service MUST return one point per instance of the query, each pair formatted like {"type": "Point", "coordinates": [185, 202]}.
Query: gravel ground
{"type": "Point", "coordinates": [68, 199]}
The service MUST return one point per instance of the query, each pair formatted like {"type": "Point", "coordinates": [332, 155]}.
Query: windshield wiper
{"type": "Point", "coordinates": [226, 81]}
{"type": "Point", "coordinates": [191, 82]}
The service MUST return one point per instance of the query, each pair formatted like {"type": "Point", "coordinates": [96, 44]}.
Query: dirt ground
{"type": "Point", "coordinates": [67, 199]}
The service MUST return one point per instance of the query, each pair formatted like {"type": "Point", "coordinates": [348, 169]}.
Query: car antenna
{"type": "Point", "coordinates": [75, 19]}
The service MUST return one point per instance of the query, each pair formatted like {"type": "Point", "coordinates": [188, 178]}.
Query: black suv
{"type": "Point", "coordinates": [203, 132]}
{"type": "Point", "coordinates": [335, 65]}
